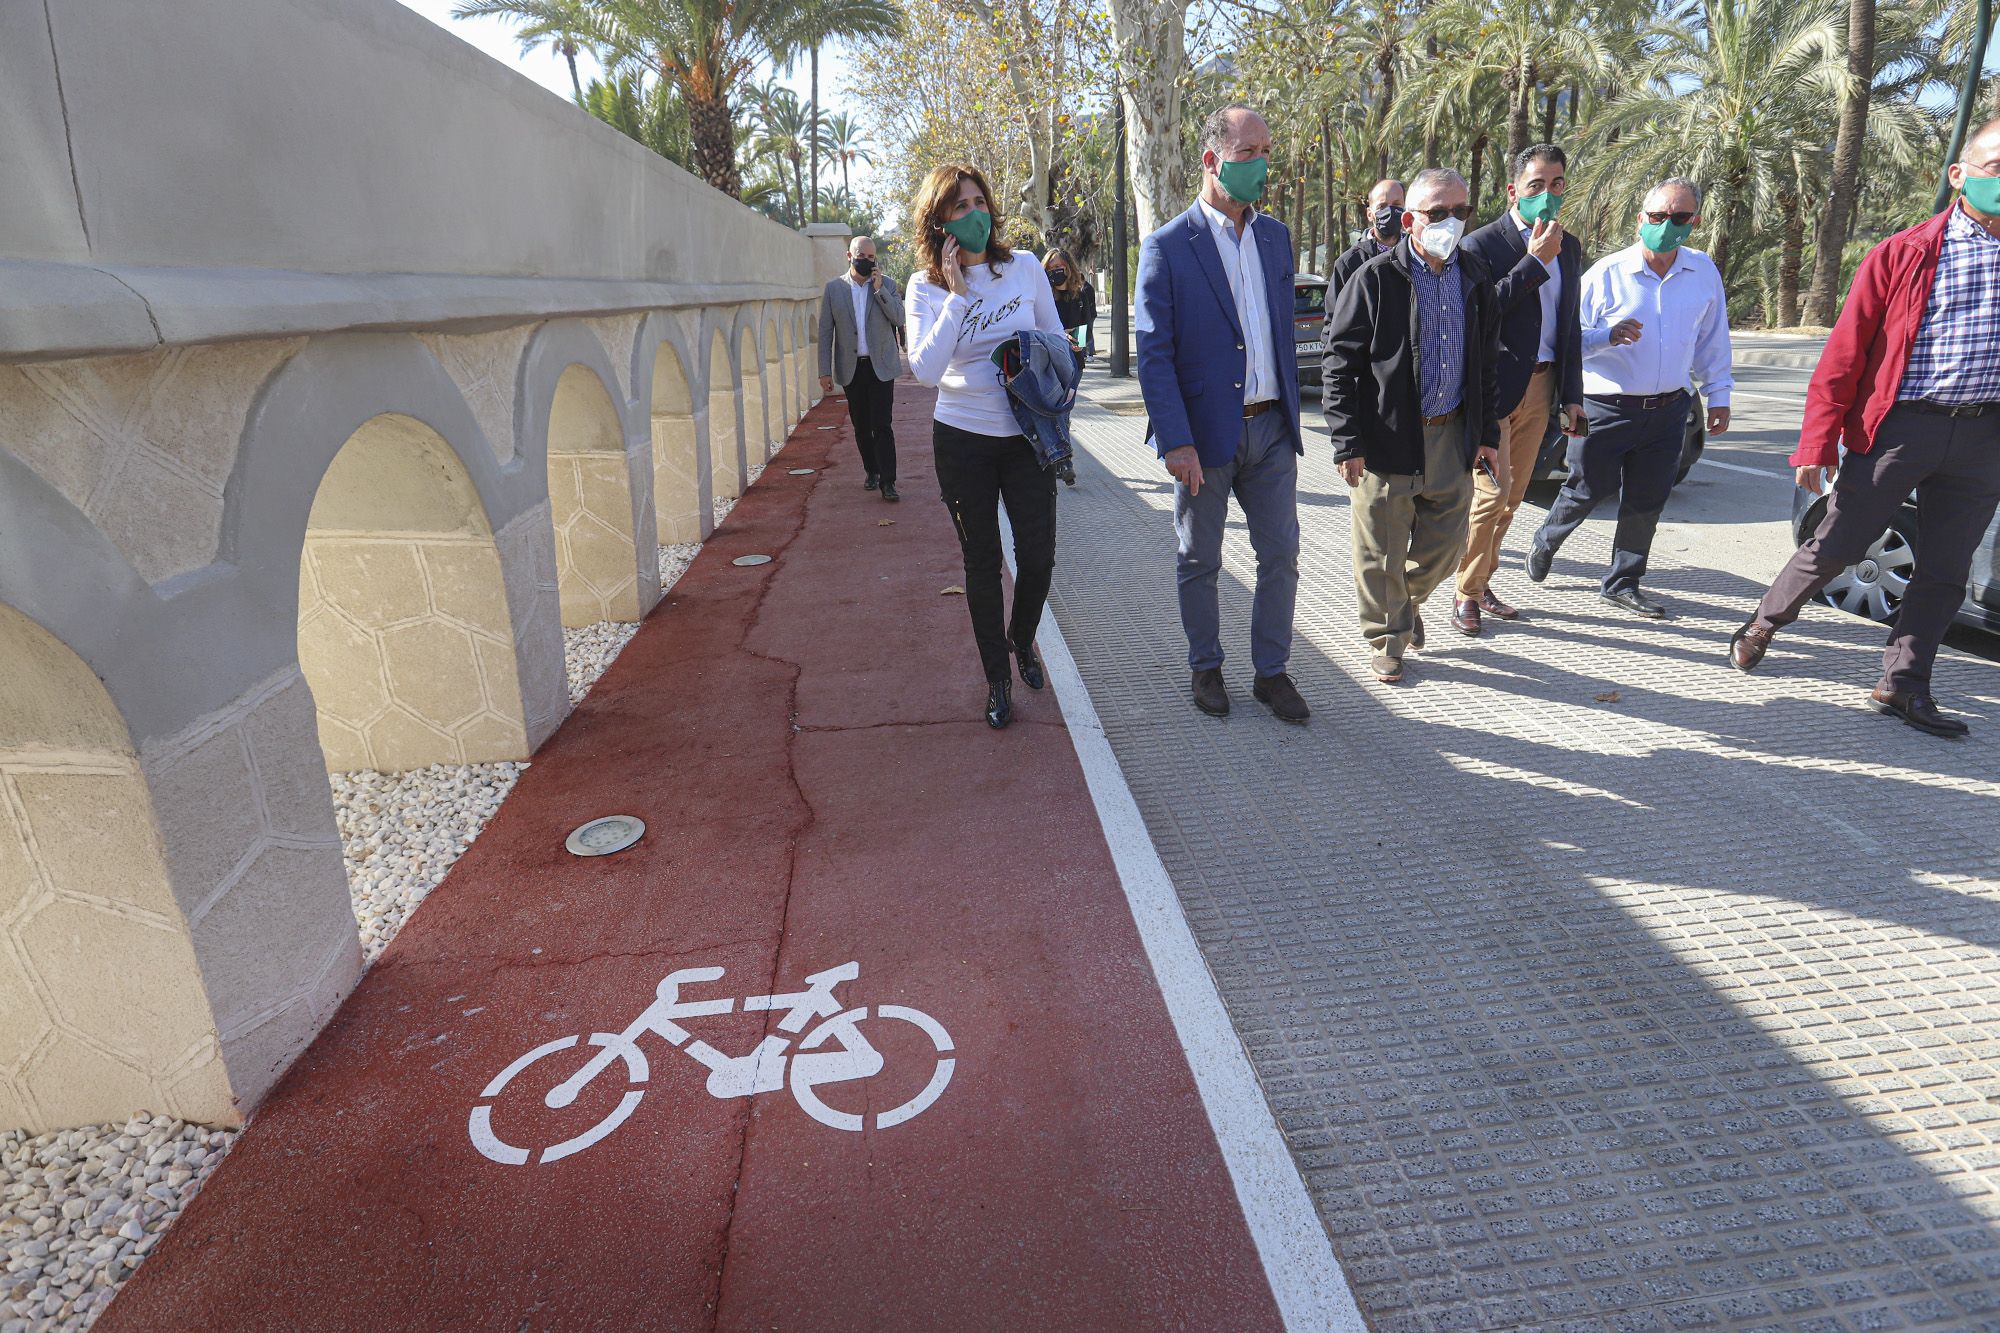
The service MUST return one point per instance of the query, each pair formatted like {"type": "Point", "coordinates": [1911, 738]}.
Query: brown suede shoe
{"type": "Point", "coordinates": [1748, 645]}
{"type": "Point", "coordinates": [1282, 697]}
{"type": "Point", "coordinates": [1209, 695]}
{"type": "Point", "coordinates": [1919, 711]}
{"type": "Point", "coordinates": [1493, 606]}
{"type": "Point", "coordinates": [1465, 617]}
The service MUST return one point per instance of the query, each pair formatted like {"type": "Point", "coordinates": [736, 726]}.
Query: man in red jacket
{"type": "Point", "coordinates": [1910, 384]}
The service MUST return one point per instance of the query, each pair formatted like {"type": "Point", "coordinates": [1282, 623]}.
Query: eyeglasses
{"type": "Point", "coordinates": [1678, 219]}
{"type": "Point", "coordinates": [1461, 212]}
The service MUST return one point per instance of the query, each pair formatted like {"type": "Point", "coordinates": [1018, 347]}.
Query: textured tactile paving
{"type": "Point", "coordinates": [1595, 985]}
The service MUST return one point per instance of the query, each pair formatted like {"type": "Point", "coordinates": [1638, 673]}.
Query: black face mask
{"type": "Point", "coordinates": [863, 267]}
{"type": "Point", "coordinates": [1388, 222]}
{"type": "Point", "coordinates": [1058, 276]}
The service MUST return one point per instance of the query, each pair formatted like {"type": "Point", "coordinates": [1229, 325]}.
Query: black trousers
{"type": "Point", "coordinates": [870, 403]}
{"type": "Point", "coordinates": [975, 473]}
{"type": "Point", "coordinates": [1953, 465]}
{"type": "Point", "coordinates": [1632, 453]}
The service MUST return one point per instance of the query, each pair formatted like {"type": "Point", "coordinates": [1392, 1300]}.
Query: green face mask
{"type": "Point", "coordinates": [1244, 181]}
{"type": "Point", "coordinates": [1664, 237]}
{"type": "Point", "coordinates": [1983, 193]}
{"type": "Point", "coordinates": [1534, 208]}
{"type": "Point", "coordinates": [972, 231]}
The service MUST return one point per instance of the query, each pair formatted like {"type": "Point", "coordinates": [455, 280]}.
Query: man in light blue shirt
{"type": "Point", "coordinates": [1654, 322]}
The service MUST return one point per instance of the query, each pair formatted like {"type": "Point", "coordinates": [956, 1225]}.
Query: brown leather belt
{"type": "Point", "coordinates": [1937, 409]}
{"type": "Point", "coordinates": [1544, 367]}
{"type": "Point", "coordinates": [1258, 409]}
{"type": "Point", "coordinates": [1452, 415]}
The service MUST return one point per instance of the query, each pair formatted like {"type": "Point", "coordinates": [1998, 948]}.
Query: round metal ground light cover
{"type": "Point", "coordinates": [801, 471]}
{"type": "Point", "coordinates": [601, 837]}
{"type": "Point", "coordinates": [748, 560]}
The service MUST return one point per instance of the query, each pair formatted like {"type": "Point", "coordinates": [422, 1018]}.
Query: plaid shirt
{"type": "Point", "coordinates": [1440, 334]}
{"type": "Point", "coordinates": [1956, 358]}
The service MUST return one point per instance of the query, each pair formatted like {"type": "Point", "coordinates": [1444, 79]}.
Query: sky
{"type": "Point", "coordinates": [496, 38]}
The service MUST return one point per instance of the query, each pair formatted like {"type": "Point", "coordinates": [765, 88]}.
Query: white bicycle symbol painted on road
{"type": "Point", "coordinates": [836, 1051]}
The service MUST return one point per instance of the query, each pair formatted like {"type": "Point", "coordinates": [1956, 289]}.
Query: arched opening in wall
{"type": "Point", "coordinates": [405, 633]}
{"type": "Point", "coordinates": [811, 332]}
{"type": "Point", "coordinates": [778, 375]}
{"type": "Point", "coordinates": [807, 369]}
{"type": "Point", "coordinates": [756, 435]}
{"type": "Point", "coordinates": [590, 497]}
{"type": "Point", "coordinates": [102, 1008]}
{"type": "Point", "coordinates": [724, 440]}
{"type": "Point", "coordinates": [676, 451]}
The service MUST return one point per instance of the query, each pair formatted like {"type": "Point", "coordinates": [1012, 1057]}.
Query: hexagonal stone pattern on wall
{"type": "Point", "coordinates": [1594, 985]}
{"type": "Point", "coordinates": [596, 561]}
{"type": "Point", "coordinates": [410, 651]}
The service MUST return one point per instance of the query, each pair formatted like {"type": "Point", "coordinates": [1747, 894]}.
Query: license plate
{"type": "Point", "coordinates": [1312, 349]}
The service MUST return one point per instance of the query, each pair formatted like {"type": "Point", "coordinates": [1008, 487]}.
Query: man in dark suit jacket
{"type": "Point", "coordinates": [1410, 382]}
{"type": "Point", "coordinates": [1538, 270]}
{"type": "Point", "coordinates": [1218, 368]}
{"type": "Point", "coordinates": [1384, 228]}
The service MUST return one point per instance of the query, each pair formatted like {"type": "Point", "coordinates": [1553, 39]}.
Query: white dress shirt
{"type": "Point", "coordinates": [1686, 326]}
{"type": "Point", "coordinates": [1550, 292]}
{"type": "Point", "coordinates": [860, 294]}
{"type": "Point", "coordinates": [1245, 267]}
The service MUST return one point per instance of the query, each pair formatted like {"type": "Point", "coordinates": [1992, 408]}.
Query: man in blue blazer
{"type": "Point", "coordinates": [1538, 271]}
{"type": "Point", "coordinates": [1219, 373]}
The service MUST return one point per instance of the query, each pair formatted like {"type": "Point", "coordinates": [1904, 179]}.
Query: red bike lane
{"type": "Point", "coordinates": [803, 741]}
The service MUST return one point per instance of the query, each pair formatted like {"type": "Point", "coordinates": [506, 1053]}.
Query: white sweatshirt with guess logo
{"type": "Point", "coordinates": [952, 338]}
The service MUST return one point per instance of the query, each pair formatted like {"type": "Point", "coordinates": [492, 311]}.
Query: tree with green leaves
{"type": "Point", "coordinates": [562, 25]}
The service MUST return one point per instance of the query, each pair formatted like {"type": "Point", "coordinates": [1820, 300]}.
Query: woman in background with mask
{"type": "Point", "coordinates": [969, 295]}
{"type": "Point", "coordinates": [1076, 301]}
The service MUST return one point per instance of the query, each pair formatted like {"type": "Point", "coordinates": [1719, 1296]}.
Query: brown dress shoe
{"type": "Point", "coordinates": [1493, 606]}
{"type": "Point", "coordinates": [1747, 645]}
{"type": "Point", "coordinates": [1465, 617]}
{"type": "Point", "coordinates": [1282, 697]}
{"type": "Point", "coordinates": [1209, 695]}
{"type": "Point", "coordinates": [1918, 710]}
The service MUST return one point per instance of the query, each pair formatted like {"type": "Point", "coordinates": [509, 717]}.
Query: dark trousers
{"type": "Point", "coordinates": [1632, 453]}
{"type": "Point", "coordinates": [975, 473]}
{"type": "Point", "coordinates": [870, 403]}
{"type": "Point", "coordinates": [1953, 465]}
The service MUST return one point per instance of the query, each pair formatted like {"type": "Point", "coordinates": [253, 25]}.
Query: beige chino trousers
{"type": "Point", "coordinates": [1493, 506]}
{"type": "Point", "coordinates": [1409, 532]}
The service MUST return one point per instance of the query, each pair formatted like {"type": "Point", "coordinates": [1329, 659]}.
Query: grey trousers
{"type": "Point", "coordinates": [1953, 465]}
{"type": "Point", "coordinates": [1409, 535]}
{"type": "Point", "coordinates": [1264, 477]}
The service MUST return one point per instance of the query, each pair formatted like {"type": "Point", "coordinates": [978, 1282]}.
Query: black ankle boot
{"type": "Point", "coordinates": [1031, 666]}
{"type": "Point", "coordinates": [999, 704]}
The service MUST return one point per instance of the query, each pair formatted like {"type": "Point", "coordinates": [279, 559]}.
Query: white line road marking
{"type": "Point", "coordinates": [1305, 1277]}
{"type": "Point", "coordinates": [1773, 473]}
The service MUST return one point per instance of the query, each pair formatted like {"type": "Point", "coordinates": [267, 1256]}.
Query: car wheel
{"type": "Point", "coordinates": [1874, 585]}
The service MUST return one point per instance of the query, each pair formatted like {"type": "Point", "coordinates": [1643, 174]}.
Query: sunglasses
{"type": "Point", "coordinates": [1678, 219]}
{"type": "Point", "coordinates": [1462, 212]}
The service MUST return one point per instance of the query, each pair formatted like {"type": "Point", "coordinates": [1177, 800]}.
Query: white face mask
{"type": "Point", "coordinates": [1439, 239]}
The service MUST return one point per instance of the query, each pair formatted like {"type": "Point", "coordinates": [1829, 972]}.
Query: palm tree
{"type": "Point", "coordinates": [1526, 44]}
{"type": "Point", "coordinates": [1855, 96]}
{"type": "Point", "coordinates": [821, 21]}
{"type": "Point", "coordinates": [782, 133]}
{"type": "Point", "coordinates": [847, 142]}
{"type": "Point", "coordinates": [563, 25]}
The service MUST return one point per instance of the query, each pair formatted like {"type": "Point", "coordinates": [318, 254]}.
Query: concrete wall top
{"type": "Point", "coordinates": [152, 145]}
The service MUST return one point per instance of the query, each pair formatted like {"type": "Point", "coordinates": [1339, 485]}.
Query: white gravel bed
{"type": "Point", "coordinates": [674, 562]}
{"type": "Point", "coordinates": [756, 471]}
{"type": "Point", "coordinates": [723, 504]}
{"type": "Point", "coordinates": [79, 1209]}
{"type": "Point", "coordinates": [402, 831]}
{"type": "Point", "coordinates": [589, 651]}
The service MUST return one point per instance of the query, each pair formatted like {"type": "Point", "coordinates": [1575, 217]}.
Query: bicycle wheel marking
{"type": "Point", "coordinates": [833, 1051]}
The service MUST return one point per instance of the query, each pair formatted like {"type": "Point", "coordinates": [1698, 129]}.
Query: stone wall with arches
{"type": "Point", "coordinates": [267, 513]}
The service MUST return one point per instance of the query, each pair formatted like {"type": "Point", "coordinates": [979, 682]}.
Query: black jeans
{"type": "Point", "coordinates": [975, 472]}
{"type": "Point", "coordinates": [1632, 453]}
{"type": "Point", "coordinates": [870, 402]}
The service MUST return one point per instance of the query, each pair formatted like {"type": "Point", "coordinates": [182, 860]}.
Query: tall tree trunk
{"type": "Point", "coordinates": [1326, 186]}
{"type": "Point", "coordinates": [799, 183]}
{"type": "Point", "coordinates": [1732, 221]}
{"type": "Point", "coordinates": [1791, 256]}
{"type": "Point", "coordinates": [1575, 95]}
{"type": "Point", "coordinates": [815, 131]}
{"type": "Point", "coordinates": [713, 137]}
{"type": "Point", "coordinates": [1824, 301]}
{"type": "Point", "coordinates": [1521, 99]}
{"type": "Point", "coordinates": [1549, 115]}
{"type": "Point", "coordinates": [569, 53]}
{"type": "Point", "coordinates": [1430, 126]}
{"type": "Point", "coordinates": [1472, 179]}
{"type": "Point", "coordinates": [1151, 38]}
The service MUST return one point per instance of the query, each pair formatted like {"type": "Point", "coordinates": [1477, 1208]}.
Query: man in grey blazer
{"type": "Point", "coordinates": [859, 317]}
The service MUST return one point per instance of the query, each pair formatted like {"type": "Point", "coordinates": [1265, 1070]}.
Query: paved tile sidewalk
{"type": "Point", "coordinates": [1596, 986]}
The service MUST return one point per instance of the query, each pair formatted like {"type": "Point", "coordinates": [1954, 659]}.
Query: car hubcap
{"type": "Point", "coordinates": [1874, 586]}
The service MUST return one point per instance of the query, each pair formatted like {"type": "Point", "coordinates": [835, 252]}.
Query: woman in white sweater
{"type": "Point", "coordinates": [969, 295]}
